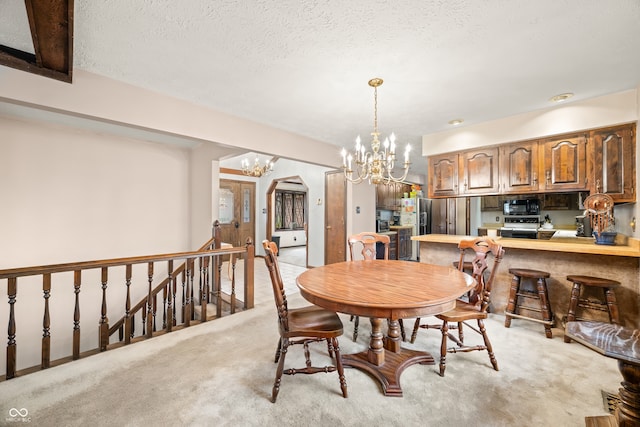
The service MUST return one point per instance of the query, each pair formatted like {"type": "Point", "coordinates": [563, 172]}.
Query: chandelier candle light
{"type": "Point", "coordinates": [374, 165]}
{"type": "Point", "coordinates": [256, 170]}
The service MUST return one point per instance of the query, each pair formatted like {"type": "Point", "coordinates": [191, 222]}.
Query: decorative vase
{"type": "Point", "coordinates": [605, 238]}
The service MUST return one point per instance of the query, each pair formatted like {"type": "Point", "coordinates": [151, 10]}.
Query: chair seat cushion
{"type": "Point", "coordinates": [313, 321]}
{"type": "Point", "coordinates": [462, 312]}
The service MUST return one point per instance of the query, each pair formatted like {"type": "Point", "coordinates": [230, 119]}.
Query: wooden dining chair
{"type": "Point", "coordinates": [301, 326]}
{"type": "Point", "coordinates": [367, 242]}
{"type": "Point", "coordinates": [474, 306]}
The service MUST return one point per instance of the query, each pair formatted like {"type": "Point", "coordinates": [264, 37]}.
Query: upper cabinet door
{"type": "Point", "coordinates": [479, 172]}
{"type": "Point", "coordinates": [615, 163]}
{"type": "Point", "coordinates": [519, 167]}
{"type": "Point", "coordinates": [565, 164]}
{"type": "Point", "coordinates": [443, 175]}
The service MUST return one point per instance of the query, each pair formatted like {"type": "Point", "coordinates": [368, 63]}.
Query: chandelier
{"type": "Point", "coordinates": [256, 169]}
{"type": "Point", "coordinates": [375, 165]}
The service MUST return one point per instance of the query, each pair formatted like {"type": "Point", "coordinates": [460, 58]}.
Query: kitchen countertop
{"type": "Point", "coordinates": [400, 226]}
{"type": "Point", "coordinates": [583, 245]}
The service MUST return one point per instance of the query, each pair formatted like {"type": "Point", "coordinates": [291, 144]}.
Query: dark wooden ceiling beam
{"type": "Point", "coordinates": [51, 25]}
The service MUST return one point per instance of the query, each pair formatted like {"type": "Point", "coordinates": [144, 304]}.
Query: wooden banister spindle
{"type": "Point", "coordinates": [183, 280]}
{"type": "Point", "coordinates": [173, 290]}
{"type": "Point", "coordinates": [205, 288]}
{"type": "Point", "coordinates": [164, 306]}
{"type": "Point", "coordinates": [188, 312]}
{"type": "Point", "coordinates": [104, 321]}
{"type": "Point", "coordinates": [46, 322]}
{"type": "Point", "coordinates": [218, 260]}
{"type": "Point", "coordinates": [249, 275]}
{"type": "Point", "coordinates": [233, 286]}
{"type": "Point", "coordinates": [155, 311]}
{"type": "Point", "coordinates": [12, 289]}
{"type": "Point", "coordinates": [77, 277]}
{"type": "Point", "coordinates": [150, 317]}
{"type": "Point", "coordinates": [128, 327]}
{"type": "Point", "coordinates": [168, 324]}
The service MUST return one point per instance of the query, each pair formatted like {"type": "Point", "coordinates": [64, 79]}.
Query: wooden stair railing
{"type": "Point", "coordinates": [177, 304]}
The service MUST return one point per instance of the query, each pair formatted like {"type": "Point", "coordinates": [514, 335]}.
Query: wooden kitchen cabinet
{"type": "Point", "coordinates": [564, 164]}
{"type": "Point", "coordinates": [388, 195]}
{"type": "Point", "coordinates": [404, 243]}
{"type": "Point", "coordinates": [443, 175]}
{"type": "Point", "coordinates": [559, 201]}
{"type": "Point", "coordinates": [615, 163]}
{"type": "Point", "coordinates": [519, 168]}
{"type": "Point", "coordinates": [393, 245]}
{"type": "Point", "coordinates": [478, 172]}
{"type": "Point", "coordinates": [491, 203]}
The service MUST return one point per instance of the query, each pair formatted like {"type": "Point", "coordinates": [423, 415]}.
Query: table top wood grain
{"type": "Point", "coordinates": [384, 288]}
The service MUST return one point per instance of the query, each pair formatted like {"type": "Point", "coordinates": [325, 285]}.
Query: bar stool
{"type": "Point", "coordinates": [516, 293]}
{"type": "Point", "coordinates": [609, 304]}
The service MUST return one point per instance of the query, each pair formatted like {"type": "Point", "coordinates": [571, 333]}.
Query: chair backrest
{"type": "Point", "coordinates": [482, 247]}
{"type": "Point", "coordinates": [279, 295]}
{"type": "Point", "coordinates": [368, 241]}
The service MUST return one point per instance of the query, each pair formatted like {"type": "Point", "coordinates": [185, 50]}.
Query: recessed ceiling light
{"type": "Point", "coordinates": [455, 122]}
{"type": "Point", "coordinates": [562, 97]}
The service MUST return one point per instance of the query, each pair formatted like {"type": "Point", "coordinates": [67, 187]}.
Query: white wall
{"type": "Point", "coordinates": [70, 195]}
{"type": "Point", "coordinates": [361, 210]}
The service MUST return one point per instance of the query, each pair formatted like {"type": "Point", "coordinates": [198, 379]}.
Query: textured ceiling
{"type": "Point", "coordinates": [303, 66]}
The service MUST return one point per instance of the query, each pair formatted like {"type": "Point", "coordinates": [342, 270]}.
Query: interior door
{"type": "Point", "coordinates": [237, 211]}
{"type": "Point", "coordinates": [335, 232]}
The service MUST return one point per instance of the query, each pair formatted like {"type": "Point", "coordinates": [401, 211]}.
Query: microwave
{"type": "Point", "coordinates": [382, 225]}
{"type": "Point", "coordinates": [521, 207]}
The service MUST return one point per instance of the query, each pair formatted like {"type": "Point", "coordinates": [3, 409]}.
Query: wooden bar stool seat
{"type": "Point", "coordinates": [609, 304]}
{"type": "Point", "coordinates": [518, 295]}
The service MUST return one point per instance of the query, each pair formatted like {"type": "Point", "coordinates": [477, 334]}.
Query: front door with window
{"type": "Point", "coordinates": [237, 211]}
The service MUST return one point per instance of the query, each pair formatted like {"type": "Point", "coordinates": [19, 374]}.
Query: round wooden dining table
{"type": "Point", "coordinates": [385, 289]}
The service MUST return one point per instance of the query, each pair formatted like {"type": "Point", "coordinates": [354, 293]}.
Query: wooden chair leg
{"type": "Point", "coordinates": [339, 367]}
{"type": "Point", "coordinates": [414, 334]}
{"type": "Point", "coordinates": [330, 347]}
{"type": "Point", "coordinates": [356, 322]}
{"type": "Point", "coordinates": [487, 344]}
{"type": "Point", "coordinates": [278, 349]}
{"type": "Point", "coordinates": [443, 347]}
{"type": "Point", "coordinates": [276, 385]}
{"type": "Point", "coordinates": [402, 333]}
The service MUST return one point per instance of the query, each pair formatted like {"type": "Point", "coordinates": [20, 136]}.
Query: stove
{"type": "Point", "coordinates": [521, 226]}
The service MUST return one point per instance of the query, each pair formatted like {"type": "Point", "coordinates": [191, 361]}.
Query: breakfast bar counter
{"type": "Point", "coordinates": [560, 257]}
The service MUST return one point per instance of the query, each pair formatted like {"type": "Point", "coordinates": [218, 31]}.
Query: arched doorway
{"type": "Point", "coordinates": [287, 218]}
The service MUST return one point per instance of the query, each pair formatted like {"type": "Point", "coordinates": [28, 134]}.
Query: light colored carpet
{"type": "Point", "coordinates": [221, 373]}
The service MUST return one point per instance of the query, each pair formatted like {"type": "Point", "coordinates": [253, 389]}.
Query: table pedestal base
{"type": "Point", "coordinates": [388, 373]}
